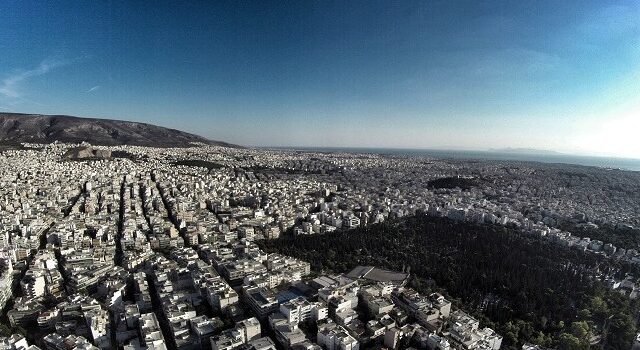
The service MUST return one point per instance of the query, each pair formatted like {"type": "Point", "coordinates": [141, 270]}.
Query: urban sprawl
{"type": "Point", "coordinates": [154, 248]}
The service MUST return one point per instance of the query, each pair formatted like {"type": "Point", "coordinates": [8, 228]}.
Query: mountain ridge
{"type": "Point", "coordinates": [528, 151]}
{"type": "Point", "coordinates": [41, 128]}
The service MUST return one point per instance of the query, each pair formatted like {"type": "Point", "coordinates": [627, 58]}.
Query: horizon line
{"type": "Point", "coordinates": [501, 150]}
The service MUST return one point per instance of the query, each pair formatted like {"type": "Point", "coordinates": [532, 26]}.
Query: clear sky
{"type": "Point", "coordinates": [559, 75]}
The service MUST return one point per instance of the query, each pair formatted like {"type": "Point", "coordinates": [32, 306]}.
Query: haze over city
{"type": "Point", "coordinates": [548, 75]}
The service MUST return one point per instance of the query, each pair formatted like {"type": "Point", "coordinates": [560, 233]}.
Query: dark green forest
{"type": "Point", "coordinates": [452, 182]}
{"type": "Point", "coordinates": [621, 237]}
{"type": "Point", "coordinates": [529, 290]}
{"type": "Point", "coordinates": [198, 163]}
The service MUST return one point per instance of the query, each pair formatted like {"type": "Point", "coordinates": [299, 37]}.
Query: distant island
{"type": "Point", "coordinates": [528, 151]}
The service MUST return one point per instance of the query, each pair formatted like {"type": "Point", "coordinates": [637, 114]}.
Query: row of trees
{"type": "Point", "coordinates": [529, 290]}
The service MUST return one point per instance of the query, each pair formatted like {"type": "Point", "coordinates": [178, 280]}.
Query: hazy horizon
{"type": "Point", "coordinates": [439, 75]}
{"type": "Point", "coordinates": [507, 150]}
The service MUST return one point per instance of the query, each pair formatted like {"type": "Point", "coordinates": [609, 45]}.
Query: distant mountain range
{"type": "Point", "coordinates": [530, 151]}
{"type": "Point", "coordinates": [36, 128]}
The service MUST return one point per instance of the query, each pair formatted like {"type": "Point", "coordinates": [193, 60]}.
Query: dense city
{"type": "Point", "coordinates": [155, 248]}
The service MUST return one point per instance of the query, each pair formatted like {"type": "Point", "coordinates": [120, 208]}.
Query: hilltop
{"type": "Point", "coordinates": [37, 128]}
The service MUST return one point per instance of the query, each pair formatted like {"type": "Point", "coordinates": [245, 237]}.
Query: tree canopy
{"type": "Point", "coordinates": [528, 289]}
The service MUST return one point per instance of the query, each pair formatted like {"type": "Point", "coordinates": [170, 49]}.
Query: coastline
{"type": "Point", "coordinates": [593, 161]}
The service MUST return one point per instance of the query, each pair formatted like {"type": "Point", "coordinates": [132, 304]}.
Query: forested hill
{"type": "Point", "coordinates": [527, 289]}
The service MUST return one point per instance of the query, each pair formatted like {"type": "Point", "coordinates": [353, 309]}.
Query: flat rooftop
{"type": "Point", "coordinates": [377, 274]}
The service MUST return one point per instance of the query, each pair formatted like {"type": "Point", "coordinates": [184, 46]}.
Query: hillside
{"type": "Point", "coordinates": [35, 128]}
{"type": "Point", "coordinates": [528, 290]}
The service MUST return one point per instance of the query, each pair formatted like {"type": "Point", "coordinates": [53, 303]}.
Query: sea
{"type": "Point", "coordinates": [552, 158]}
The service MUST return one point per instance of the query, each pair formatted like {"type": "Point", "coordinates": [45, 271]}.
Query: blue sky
{"type": "Point", "coordinates": [561, 75]}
